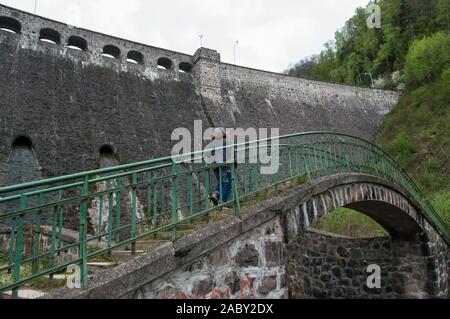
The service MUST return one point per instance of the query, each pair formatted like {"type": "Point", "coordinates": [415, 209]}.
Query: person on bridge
{"type": "Point", "coordinates": [222, 167]}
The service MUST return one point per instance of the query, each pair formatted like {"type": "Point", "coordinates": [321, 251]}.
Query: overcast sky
{"type": "Point", "coordinates": [272, 33]}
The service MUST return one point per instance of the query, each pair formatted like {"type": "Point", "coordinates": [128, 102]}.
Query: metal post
{"type": "Point", "coordinates": [83, 233]}
{"type": "Point", "coordinates": [371, 79]}
{"type": "Point", "coordinates": [237, 205]}
{"type": "Point", "coordinates": [37, 237]}
{"type": "Point", "coordinates": [19, 246]}
{"type": "Point", "coordinates": [174, 200]}
{"type": "Point", "coordinates": [234, 52]}
{"type": "Point", "coordinates": [133, 211]}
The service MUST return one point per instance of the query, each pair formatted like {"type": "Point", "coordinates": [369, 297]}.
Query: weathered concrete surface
{"type": "Point", "coordinates": [272, 244]}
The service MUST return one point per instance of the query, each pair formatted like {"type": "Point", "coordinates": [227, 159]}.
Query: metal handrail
{"type": "Point", "coordinates": [134, 201]}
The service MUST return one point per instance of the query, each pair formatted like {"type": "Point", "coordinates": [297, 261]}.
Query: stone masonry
{"type": "Point", "coordinates": [250, 266]}
{"type": "Point", "coordinates": [69, 103]}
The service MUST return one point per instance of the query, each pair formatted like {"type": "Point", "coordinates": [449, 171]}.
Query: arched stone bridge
{"type": "Point", "coordinates": [261, 245]}
{"type": "Point", "coordinates": [272, 252]}
{"type": "Point", "coordinates": [414, 260]}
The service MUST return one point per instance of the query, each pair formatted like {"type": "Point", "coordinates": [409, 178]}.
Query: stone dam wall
{"type": "Point", "coordinates": [68, 92]}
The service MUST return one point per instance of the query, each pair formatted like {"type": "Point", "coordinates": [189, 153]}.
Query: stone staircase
{"type": "Point", "coordinates": [96, 265]}
{"type": "Point", "coordinates": [117, 257]}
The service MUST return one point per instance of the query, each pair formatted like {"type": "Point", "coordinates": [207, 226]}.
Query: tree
{"type": "Point", "coordinates": [427, 59]}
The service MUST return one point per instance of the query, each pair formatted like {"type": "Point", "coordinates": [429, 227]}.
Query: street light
{"type": "Point", "coordinates": [234, 52]}
{"type": "Point", "coordinates": [35, 6]}
{"type": "Point", "coordinates": [371, 78]}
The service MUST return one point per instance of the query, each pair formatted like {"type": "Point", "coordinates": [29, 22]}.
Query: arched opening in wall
{"type": "Point", "coordinates": [108, 156]}
{"type": "Point", "coordinates": [23, 142]}
{"type": "Point", "coordinates": [351, 223]}
{"type": "Point", "coordinates": [49, 36]}
{"type": "Point", "coordinates": [10, 25]}
{"type": "Point", "coordinates": [111, 51]}
{"type": "Point", "coordinates": [185, 67]}
{"type": "Point", "coordinates": [22, 165]}
{"type": "Point", "coordinates": [164, 63]}
{"type": "Point", "coordinates": [135, 57]}
{"type": "Point", "coordinates": [77, 43]}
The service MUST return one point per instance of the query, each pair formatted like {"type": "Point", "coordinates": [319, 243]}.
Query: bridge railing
{"type": "Point", "coordinates": [113, 207]}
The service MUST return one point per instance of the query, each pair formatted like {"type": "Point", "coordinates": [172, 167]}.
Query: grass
{"type": "Point", "coordinates": [26, 271]}
{"type": "Point", "coordinates": [441, 202]}
{"type": "Point", "coordinates": [417, 135]}
{"type": "Point", "coordinates": [46, 285]}
{"type": "Point", "coordinates": [350, 223]}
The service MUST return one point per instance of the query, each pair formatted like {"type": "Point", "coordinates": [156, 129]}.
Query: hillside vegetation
{"type": "Point", "coordinates": [410, 53]}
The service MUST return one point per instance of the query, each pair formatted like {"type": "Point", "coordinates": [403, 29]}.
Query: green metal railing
{"type": "Point", "coordinates": [118, 206]}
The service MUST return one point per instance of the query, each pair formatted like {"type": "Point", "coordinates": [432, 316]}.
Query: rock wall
{"type": "Point", "coordinates": [416, 266]}
{"type": "Point", "coordinates": [324, 265]}
{"type": "Point", "coordinates": [251, 266]}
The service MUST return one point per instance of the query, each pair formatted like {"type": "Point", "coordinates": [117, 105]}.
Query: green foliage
{"type": "Point", "coordinates": [414, 40]}
{"type": "Point", "coordinates": [357, 50]}
{"type": "Point", "coordinates": [350, 223]}
{"type": "Point", "coordinates": [427, 59]}
{"type": "Point", "coordinates": [441, 202]}
{"type": "Point", "coordinates": [443, 14]}
{"type": "Point", "coordinates": [417, 134]}
{"type": "Point", "coordinates": [404, 148]}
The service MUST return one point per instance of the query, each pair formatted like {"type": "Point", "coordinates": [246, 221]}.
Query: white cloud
{"type": "Point", "coordinates": [271, 33]}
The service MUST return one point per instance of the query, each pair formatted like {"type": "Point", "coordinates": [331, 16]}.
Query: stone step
{"type": "Point", "coordinates": [102, 264]}
{"type": "Point", "coordinates": [147, 245]}
{"type": "Point", "coordinates": [122, 256]}
{"type": "Point", "coordinates": [56, 277]}
{"type": "Point", "coordinates": [97, 267]}
{"type": "Point", "coordinates": [24, 294]}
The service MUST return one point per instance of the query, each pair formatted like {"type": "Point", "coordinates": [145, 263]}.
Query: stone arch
{"type": "Point", "coordinates": [77, 43]}
{"type": "Point", "coordinates": [410, 267]}
{"type": "Point", "coordinates": [135, 57]}
{"type": "Point", "coordinates": [164, 63]}
{"type": "Point", "coordinates": [185, 67]}
{"type": "Point", "coordinates": [23, 141]}
{"type": "Point", "coordinates": [22, 165]}
{"type": "Point", "coordinates": [388, 207]}
{"type": "Point", "coordinates": [11, 25]}
{"type": "Point", "coordinates": [50, 36]}
{"type": "Point", "coordinates": [108, 156]}
{"type": "Point", "coordinates": [111, 51]}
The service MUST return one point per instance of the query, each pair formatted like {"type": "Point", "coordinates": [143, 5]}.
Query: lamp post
{"type": "Point", "coordinates": [371, 78]}
{"type": "Point", "coordinates": [201, 40]}
{"type": "Point", "coordinates": [234, 52]}
{"type": "Point", "coordinates": [35, 6]}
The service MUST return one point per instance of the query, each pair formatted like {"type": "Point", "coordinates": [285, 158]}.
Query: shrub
{"type": "Point", "coordinates": [427, 59]}
{"type": "Point", "coordinates": [441, 203]}
{"type": "Point", "coordinates": [350, 223]}
{"type": "Point", "coordinates": [402, 148]}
